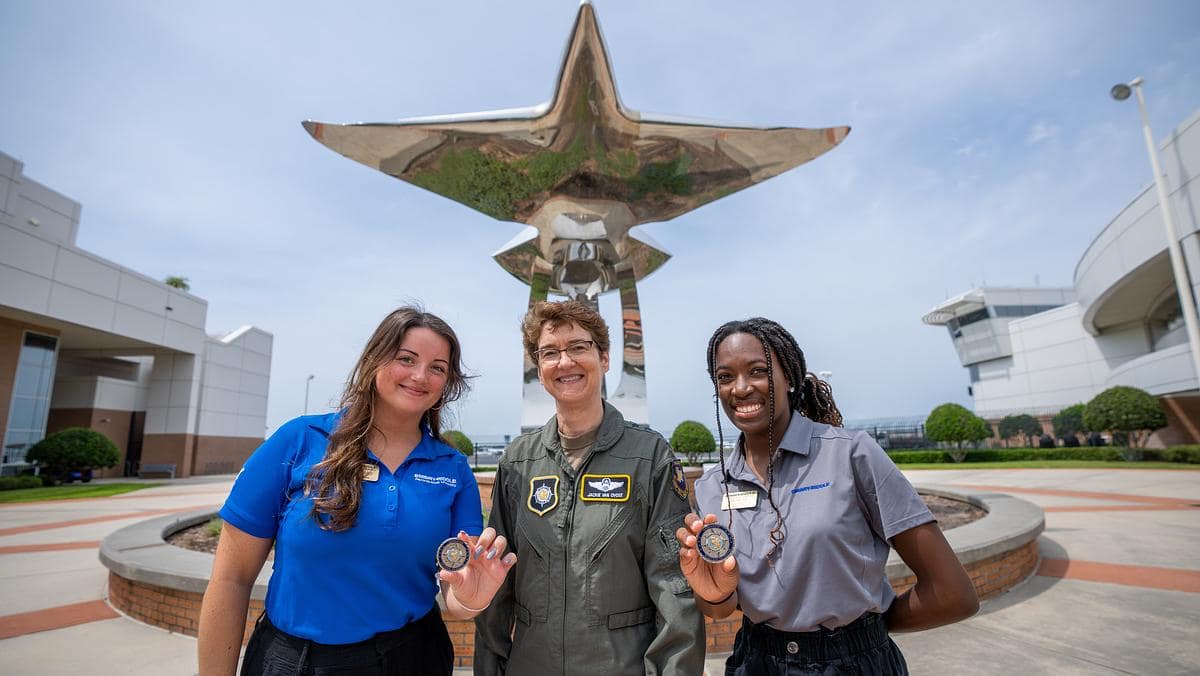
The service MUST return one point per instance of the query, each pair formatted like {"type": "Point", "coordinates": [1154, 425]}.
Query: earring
{"type": "Point", "coordinates": [791, 389]}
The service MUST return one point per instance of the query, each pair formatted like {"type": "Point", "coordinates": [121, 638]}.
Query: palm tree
{"type": "Point", "coordinates": [180, 283]}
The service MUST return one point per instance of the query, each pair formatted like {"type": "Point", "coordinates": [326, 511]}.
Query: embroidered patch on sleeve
{"type": "Point", "coordinates": [604, 487]}
{"type": "Point", "coordinates": [543, 494]}
{"type": "Point", "coordinates": [680, 484]}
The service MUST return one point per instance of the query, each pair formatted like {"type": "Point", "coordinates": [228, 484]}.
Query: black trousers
{"type": "Point", "coordinates": [421, 647]}
{"type": "Point", "coordinates": [861, 647]}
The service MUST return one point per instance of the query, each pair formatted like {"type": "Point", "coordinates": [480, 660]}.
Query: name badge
{"type": "Point", "coordinates": [740, 500]}
{"type": "Point", "coordinates": [370, 472]}
{"type": "Point", "coordinates": [604, 487]}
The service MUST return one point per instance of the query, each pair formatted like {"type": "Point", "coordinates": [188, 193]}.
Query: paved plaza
{"type": "Point", "coordinates": [1117, 591]}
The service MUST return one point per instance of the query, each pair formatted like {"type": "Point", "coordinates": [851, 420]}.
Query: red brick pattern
{"type": "Point", "coordinates": [172, 609]}
{"type": "Point", "coordinates": [47, 619]}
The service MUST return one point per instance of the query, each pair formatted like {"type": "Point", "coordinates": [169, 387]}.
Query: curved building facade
{"type": "Point", "coordinates": [1039, 350]}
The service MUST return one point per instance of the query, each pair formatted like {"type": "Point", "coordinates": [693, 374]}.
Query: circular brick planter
{"type": "Point", "coordinates": [161, 584]}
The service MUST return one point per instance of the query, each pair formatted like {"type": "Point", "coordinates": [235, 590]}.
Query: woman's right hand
{"type": "Point", "coordinates": [713, 583]}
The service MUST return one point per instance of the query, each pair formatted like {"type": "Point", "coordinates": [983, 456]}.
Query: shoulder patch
{"type": "Point", "coordinates": [679, 481]}
{"type": "Point", "coordinates": [543, 494]}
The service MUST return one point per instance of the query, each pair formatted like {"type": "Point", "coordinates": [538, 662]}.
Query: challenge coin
{"type": "Point", "coordinates": [715, 543]}
{"type": "Point", "coordinates": [453, 554]}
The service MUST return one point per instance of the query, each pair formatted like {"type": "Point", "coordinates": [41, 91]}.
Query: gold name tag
{"type": "Point", "coordinates": [740, 500]}
{"type": "Point", "coordinates": [370, 472]}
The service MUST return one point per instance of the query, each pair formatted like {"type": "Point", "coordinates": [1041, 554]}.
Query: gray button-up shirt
{"type": "Point", "coordinates": [842, 500]}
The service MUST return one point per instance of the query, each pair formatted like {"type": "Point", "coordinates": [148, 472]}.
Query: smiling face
{"type": "Point", "coordinates": [413, 381]}
{"type": "Point", "coordinates": [743, 386]}
{"type": "Point", "coordinates": [571, 381]}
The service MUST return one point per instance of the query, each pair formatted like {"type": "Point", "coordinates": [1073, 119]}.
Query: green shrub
{"type": "Point", "coordinates": [693, 440]}
{"type": "Point", "coordinates": [75, 448]}
{"type": "Point", "coordinates": [1023, 424]}
{"type": "Point", "coordinates": [213, 527]}
{"type": "Point", "coordinates": [460, 441]}
{"type": "Point", "coordinates": [1127, 410]}
{"type": "Point", "coordinates": [1180, 454]}
{"type": "Point", "coordinates": [11, 483]}
{"type": "Point", "coordinates": [1069, 422]}
{"type": "Point", "coordinates": [955, 424]}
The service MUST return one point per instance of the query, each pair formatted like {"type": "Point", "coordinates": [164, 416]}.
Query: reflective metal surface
{"type": "Point", "coordinates": [582, 171]}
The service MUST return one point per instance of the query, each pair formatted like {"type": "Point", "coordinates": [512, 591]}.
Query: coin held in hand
{"type": "Point", "coordinates": [453, 554]}
{"type": "Point", "coordinates": [714, 543]}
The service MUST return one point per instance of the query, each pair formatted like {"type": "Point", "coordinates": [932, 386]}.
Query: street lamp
{"type": "Point", "coordinates": [307, 381]}
{"type": "Point", "coordinates": [1183, 284]}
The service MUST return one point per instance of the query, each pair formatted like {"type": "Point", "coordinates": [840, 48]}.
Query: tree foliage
{"type": "Point", "coordinates": [1069, 422]}
{"type": "Point", "coordinates": [693, 440]}
{"type": "Point", "coordinates": [1022, 424]}
{"type": "Point", "coordinates": [1125, 409]}
{"type": "Point", "coordinates": [176, 282]}
{"type": "Point", "coordinates": [460, 441]}
{"type": "Point", "coordinates": [75, 448]}
{"type": "Point", "coordinates": [954, 423]}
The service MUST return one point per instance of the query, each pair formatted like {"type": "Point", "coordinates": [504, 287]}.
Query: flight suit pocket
{"type": "Point", "coordinates": [631, 618]}
{"type": "Point", "coordinates": [532, 574]}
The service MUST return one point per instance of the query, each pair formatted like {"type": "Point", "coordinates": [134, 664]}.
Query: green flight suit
{"type": "Point", "coordinates": [597, 587]}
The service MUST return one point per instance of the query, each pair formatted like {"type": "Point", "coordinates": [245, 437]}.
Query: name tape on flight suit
{"type": "Point", "coordinates": [604, 487]}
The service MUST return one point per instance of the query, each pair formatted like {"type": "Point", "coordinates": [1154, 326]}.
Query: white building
{"type": "Point", "coordinates": [1038, 350]}
{"type": "Point", "coordinates": [87, 342]}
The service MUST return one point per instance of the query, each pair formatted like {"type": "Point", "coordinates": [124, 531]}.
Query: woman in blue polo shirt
{"type": "Point", "coordinates": [356, 504]}
{"type": "Point", "coordinates": [814, 511]}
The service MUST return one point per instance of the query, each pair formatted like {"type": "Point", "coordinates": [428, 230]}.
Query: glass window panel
{"type": "Point", "coordinates": [23, 414]}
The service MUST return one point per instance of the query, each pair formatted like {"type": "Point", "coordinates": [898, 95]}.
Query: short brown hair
{"type": "Point", "coordinates": [558, 314]}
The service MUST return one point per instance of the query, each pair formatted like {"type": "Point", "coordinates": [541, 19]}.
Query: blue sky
{"type": "Point", "coordinates": [985, 149]}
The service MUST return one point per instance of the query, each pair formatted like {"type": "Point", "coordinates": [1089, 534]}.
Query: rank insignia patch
{"type": "Point", "coordinates": [680, 481]}
{"type": "Point", "coordinates": [543, 494]}
{"type": "Point", "coordinates": [604, 487]}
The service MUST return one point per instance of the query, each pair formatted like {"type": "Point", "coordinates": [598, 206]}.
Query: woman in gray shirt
{"type": "Point", "coordinates": [813, 511]}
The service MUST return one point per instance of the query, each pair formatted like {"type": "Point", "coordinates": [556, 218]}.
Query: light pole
{"type": "Point", "coordinates": [1183, 283]}
{"type": "Point", "coordinates": [307, 381]}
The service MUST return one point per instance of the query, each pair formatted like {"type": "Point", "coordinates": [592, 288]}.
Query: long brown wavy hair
{"type": "Point", "coordinates": [336, 482]}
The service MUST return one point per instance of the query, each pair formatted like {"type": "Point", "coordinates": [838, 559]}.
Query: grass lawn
{"type": "Point", "coordinates": [69, 491]}
{"type": "Point", "coordinates": [1051, 464]}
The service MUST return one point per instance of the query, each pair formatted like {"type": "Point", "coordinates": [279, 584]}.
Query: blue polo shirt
{"type": "Point", "coordinates": [379, 575]}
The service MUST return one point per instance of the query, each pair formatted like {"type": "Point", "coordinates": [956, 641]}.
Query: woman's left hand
{"type": "Point", "coordinates": [474, 586]}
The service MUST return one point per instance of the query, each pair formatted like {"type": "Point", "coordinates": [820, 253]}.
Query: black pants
{"type": "Point", "coordinates": [861, 647]}
{"type": "Point", "coordinates": [421, 647]}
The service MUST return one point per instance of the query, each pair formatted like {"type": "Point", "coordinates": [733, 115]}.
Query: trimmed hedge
{"type": "Point", "coordinates": [1182, 454]}
{"type": "Point", "coordinates": [9, 483]}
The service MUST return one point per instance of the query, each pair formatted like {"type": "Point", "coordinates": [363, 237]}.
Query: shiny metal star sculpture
{"type": "Point", "coordinates": [581, 171]}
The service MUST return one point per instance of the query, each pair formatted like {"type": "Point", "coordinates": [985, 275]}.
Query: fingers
{"type": "Point", "coordinates": [685, 537]}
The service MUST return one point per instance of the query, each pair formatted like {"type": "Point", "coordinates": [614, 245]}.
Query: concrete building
{"type": "Point", "coordinates": [1038, 350]}
{"type": "Point", "coordinates": [87, 342]}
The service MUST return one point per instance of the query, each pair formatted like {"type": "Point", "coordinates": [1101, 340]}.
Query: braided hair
{"type": "Point", "coordinates": [813, 397]}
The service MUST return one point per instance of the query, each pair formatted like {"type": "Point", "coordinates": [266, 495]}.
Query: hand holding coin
{"type": "Point", "coordinates": [706, 558]}
{"type": "Point", "coordinates": [472, 569]}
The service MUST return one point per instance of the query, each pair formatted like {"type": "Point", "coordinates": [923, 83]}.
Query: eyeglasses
{"type": "Point", "coordinates": [576, 351]}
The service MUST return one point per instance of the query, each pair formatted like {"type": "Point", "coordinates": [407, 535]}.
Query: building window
{"type": "Point", "coordinates": [30, 398]}
{"type": "Point", "coordinates": [969, 318]}
{"type": "Point", "coordinates": [1021, 310]}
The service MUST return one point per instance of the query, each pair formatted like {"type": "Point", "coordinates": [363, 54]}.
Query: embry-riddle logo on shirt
{"type": "Point", "coordinates": [543, 494]}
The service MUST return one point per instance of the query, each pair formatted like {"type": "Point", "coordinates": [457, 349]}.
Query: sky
{"type": "Point", "coordinates": [984, 150]}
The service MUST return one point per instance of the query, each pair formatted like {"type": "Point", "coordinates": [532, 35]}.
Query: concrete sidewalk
{"type": "Point", "coordinates": [1118, 590]}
